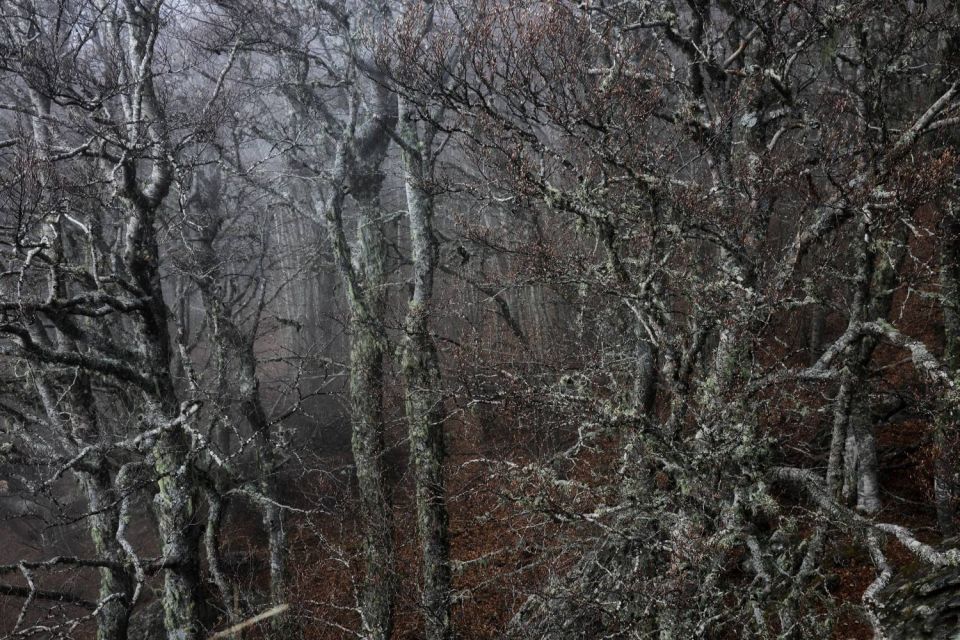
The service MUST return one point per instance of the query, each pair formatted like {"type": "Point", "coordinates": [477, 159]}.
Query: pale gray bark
{"type": "Point", "coordinates": [883, 278]}
{"type": "Point", "coordinates": [115, 583]}
{"type": "Point", "coordinates": [837, 479]}
{"type": "Point", "coordinates": [424, 397]}
{"type": "Point", "coordinates": [211, 541]}
{"type": "Point", "coordinates": [94, 476]}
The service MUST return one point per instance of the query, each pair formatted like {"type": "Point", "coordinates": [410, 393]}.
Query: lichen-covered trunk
{"type": "Point", "coordinates": [116, 584]}
{"type": "Point", "coordinates": [868, 464]}
{"type": "Point", "coordinates": [174, 502]}
{"type": "Point", "coordinates": [879, 297]}
{"type": "Point", "coordinates": [277, 544]}
{"type": "Point", "coordinates": [366, 402]}
{"type": "Point", "coordinates": [103, 518]}
{"type": "Point", "coordinates": [361, 150]}
{"type": "Point", "coordinates": [424, 398]}
{"type": "Point", "coordinates": [425, 415]}
{"type": "Point", "coordinates": [853, 440]}
{"type": "Point", "coordinates": [175, 509]}
{"type": "Point", "coordinates": [839, 441]}
{"type": "Point", "coordinates": [211, 540]}
{"type": "Point", "coordinates": [367, 351]}
{"type": "Point", "coordinates": [945, 471]}
{"type": "Point", "coordinates": [77, 407]}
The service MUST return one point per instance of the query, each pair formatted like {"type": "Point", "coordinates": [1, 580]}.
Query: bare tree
{"type": "Point", "coordinates": [424, 397]}
{"type": "Point", "coordinates": [664, 293]}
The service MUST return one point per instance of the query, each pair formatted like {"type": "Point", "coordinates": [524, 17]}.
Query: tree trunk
{"type": "Point", "coordinates": [175, 512]}
{"type": "Point", "coordinates": [114, 618]}
{"type": "Point", "coordinates": [945, 471]}
{"type": "Point", "coordinates": [366, 403]}
{"type": "Point", "coordinates": [836, 479]}
{"type": "Point", "coordinates": [877, 276]}
{"type": "Point", "coordinates": [424, 399]}
{"type": "Point", "coordinates": [211, 541]}
{"type": "Point", "coordinates": [425, 414]}
{"type": "Point", "coordinates": [868, 466]}
{"type": "Point", "coordinates": [367, 350]}
{"type": "Point", "coordinates": [361, 149]}
{"type": "Point", "coordinates": [175, 499]}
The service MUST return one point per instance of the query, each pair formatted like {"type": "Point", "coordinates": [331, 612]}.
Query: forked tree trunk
{"type": "Point", "coordinates": [361, 148]}
{"type": "Point", "coordinates": [116, 582]}
{"type": "Point", "coordinates": [175, 500]}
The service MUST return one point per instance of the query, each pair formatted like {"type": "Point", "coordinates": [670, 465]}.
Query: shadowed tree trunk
{"type": "Point", "coordinates": [113, 620]}
{"type": "Point", "coordinates": [237, 345]}
{"type": "Point", "coordinates": [884, 269]}
{"type": "Point", "coordinates": [367, 350]}
{"type": "Point", "coordinates": [945, 473]}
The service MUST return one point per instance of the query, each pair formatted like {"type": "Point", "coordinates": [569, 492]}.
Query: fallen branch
{"type": "Point", "coordinates": [269, 613]}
